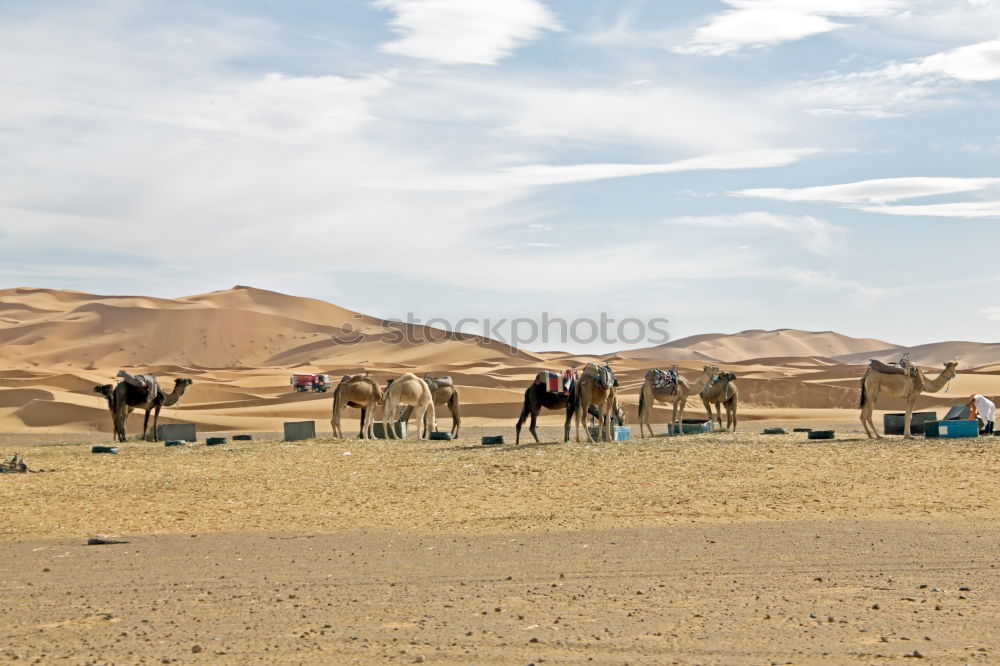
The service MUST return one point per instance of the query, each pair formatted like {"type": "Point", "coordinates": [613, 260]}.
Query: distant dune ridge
{"type": "Point", "coordinates": [241, 344]}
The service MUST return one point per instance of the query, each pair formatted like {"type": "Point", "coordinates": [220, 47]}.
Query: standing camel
{"type": "Point", "coordinates": [358, 391]}
{"type": "Point", "coordinates": [722, 392]}
{"type": "Point", "coordinates": [596, 387]}
{"type": "Point", "coordinates": [906, 382]}
{"type": "Point", "coordinates": [538, 396]}
{"type": "Point", "coordinates": [445, 393]}
{"type": "Point", "coordinates": [413, 391]}
{"type": "Point", "coordinates": [649, 396]}
{"type": "Point", "coordinates": [125, 397]}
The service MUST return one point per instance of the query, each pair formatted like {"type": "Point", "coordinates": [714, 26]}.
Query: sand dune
{"type": "Point", "coordinates": [760, 344]}
{"type": "Point", "coordinates": [968, 354]}
{"type": "Point", "coordinates": [240, 346]}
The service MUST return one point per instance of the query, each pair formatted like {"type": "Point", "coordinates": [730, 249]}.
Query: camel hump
{"type": "Point", "coordinates": [602, 374]}
{"type": "Point", "coordinates": [887, 369]}
{"type": "Point", "coordinates": [146, 382]}
{"type": "Point", "coordinates": [439, 382]}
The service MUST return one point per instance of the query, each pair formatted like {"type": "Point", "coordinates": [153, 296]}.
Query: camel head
{"type": "Point", "coordinates": [711, 370]}
{"type": "Point", "coordinates": [949, 369]}
{"type": "Point", "coordinates": [107, 390]}
{"type": "Point", "coordinates": [728, 376]}
{"type": "Point", "coordinates": [619, 414]}
{"type": "Point", "coordinates": [183, 382]}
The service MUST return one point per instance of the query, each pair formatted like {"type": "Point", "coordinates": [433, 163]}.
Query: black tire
{"type": "Point", "coordinates": [214, 441]}
{"type": "Point", "coordinates": [493, 440]}
{"type": "Point", "coordinates": [821, 434]}
{"type": "Point", "coordinates": [174, 442]}
{"type": "Point", "coordinates": [104, 449]}
{"type": "Point", "coordinates": [440, 435]}
{"type": "Point", "coordinates": [775, 431]}
{"type": "Point", "coordinates": [242, 438]}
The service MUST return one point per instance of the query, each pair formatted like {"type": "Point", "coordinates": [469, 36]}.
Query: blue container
{"type": "Point", "coordinates": [619, 434]}
{"type": "Point", "coordinates": [690, 427]}
{"type": "Point", "coordinates": [960, 428]}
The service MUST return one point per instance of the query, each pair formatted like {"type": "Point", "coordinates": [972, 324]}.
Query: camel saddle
{"type": "Point", "coordinates": [664, 382]}
{"type": "Point", "coordinates": [889, 369]}
{"type": "Point", "coordinates": [556, 382]}
{"type": "Point", "coordinates": [145, 382]}
{"type": "Point", "coordinates": [434, 383]}
{"type": "Point", "coordinates": [602, 375]}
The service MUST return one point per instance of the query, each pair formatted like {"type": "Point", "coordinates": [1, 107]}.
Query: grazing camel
{"type": "Point", "coordinates": [649, 396]}
{"type": "Point", "coordinates": [596, 387]}
{"type": "Point", "coordinates": [409, 390]}
{"type": "Point", "coordinates": [538, 396]}
{"type": "Point", "coordinates": [359, 391]}
{"type": "Point", "coordinates": [445, 393]}
{"type": "Point", "coordinates": [722, 392]}
{"type": "Point", "coordinates": [906, 382]}
{"type": "Point", "coordinates": [125, 397]}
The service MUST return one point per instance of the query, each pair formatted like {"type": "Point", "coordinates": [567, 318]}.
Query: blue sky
{"type": "Point", "coordinates": [815, 164]}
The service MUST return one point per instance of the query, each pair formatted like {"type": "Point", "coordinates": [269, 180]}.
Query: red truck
{"type": "Point", "coordinates": [314, 383]}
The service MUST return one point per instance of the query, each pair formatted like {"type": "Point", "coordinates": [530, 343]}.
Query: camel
{"type": "Point", "coordinates": [536, 397]}
{"type": "Point", "coordinates": [443, 395]}
{"type": "Point", "coordinates": [413, 391]}
{"type": "Point", "coordinates": [596, 387]}
{"type": "Point", "coordinates": [124, 397]}
{"type": "Point", "coordinates": [722, 392]}
{"type": "Point", "coordinates": [648, 398]}
{"type": "Point", "coordinates": [908, 384]}
{"type": "Point", "coordinates": [359, 391]}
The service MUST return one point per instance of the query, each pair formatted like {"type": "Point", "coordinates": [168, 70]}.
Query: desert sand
{"type": "Point", "coordinates": [713, 549]}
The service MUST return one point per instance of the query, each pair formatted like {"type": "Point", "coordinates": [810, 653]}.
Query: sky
{"type": "Point", "coordinates": [731, 165]}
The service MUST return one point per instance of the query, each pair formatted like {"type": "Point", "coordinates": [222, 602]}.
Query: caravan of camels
{"type": "Point", "coordinates": [591, 391]}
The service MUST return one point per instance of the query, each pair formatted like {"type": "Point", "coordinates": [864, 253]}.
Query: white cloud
{"type": "Point", "coordinates": [877, 191]}
{"type": "Point", "coordinates": [992, 313]}
{"type": "Point", "coordinates": [465, 31]}
{"type": "Point", "coordinates": [761, 23]}
{"type": "Point", "coordinates": [538, 175]}
{"type": "Point", "coordinates": [811, 280]}
{"type": "Point", "coordinates": [686, 119]}
{"type": "Point", "coordinates": [963, 209]}
{"type": "Point", "coordinates": [901, 87]}
{"type": "Point", "coordinates": [815, 234]}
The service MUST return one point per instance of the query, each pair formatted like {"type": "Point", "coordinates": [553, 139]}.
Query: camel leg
{"type": "Point", "coordinates": [387, 426]}
{"type": "Point", "coordinates": [361, 432]}
{"type": "Point", "coordinates": [520, 422]}
{"type": "Point", "coordinates": [145, 425]}
{"type": "Point", "coordinates": [583, 409]}
{"type": "Point", "coordinates": [718, 415]}
{"type": "Point", "coordinates": [370, 422]}
{"type": "Point", "coordinates": [866, 421]}
{"type": "Point", "coordinates": [906, 420]}
{"type": "Point", "coordinates": [156, 423]}
{"type": "Point", "coordinates": [455, 407]}
{"type": "Point", "coordinates": [431, 416]}
{"type": "Point", "coordinates": [642, 411]}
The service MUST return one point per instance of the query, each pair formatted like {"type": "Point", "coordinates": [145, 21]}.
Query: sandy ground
{"type": "Point", "coordinates": [758, 593]}
{"type": "Point", "coordinates": [715, 549]}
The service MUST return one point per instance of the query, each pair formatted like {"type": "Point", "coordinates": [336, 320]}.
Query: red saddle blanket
{"type": "Point", "coordinates": [555, 382]}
